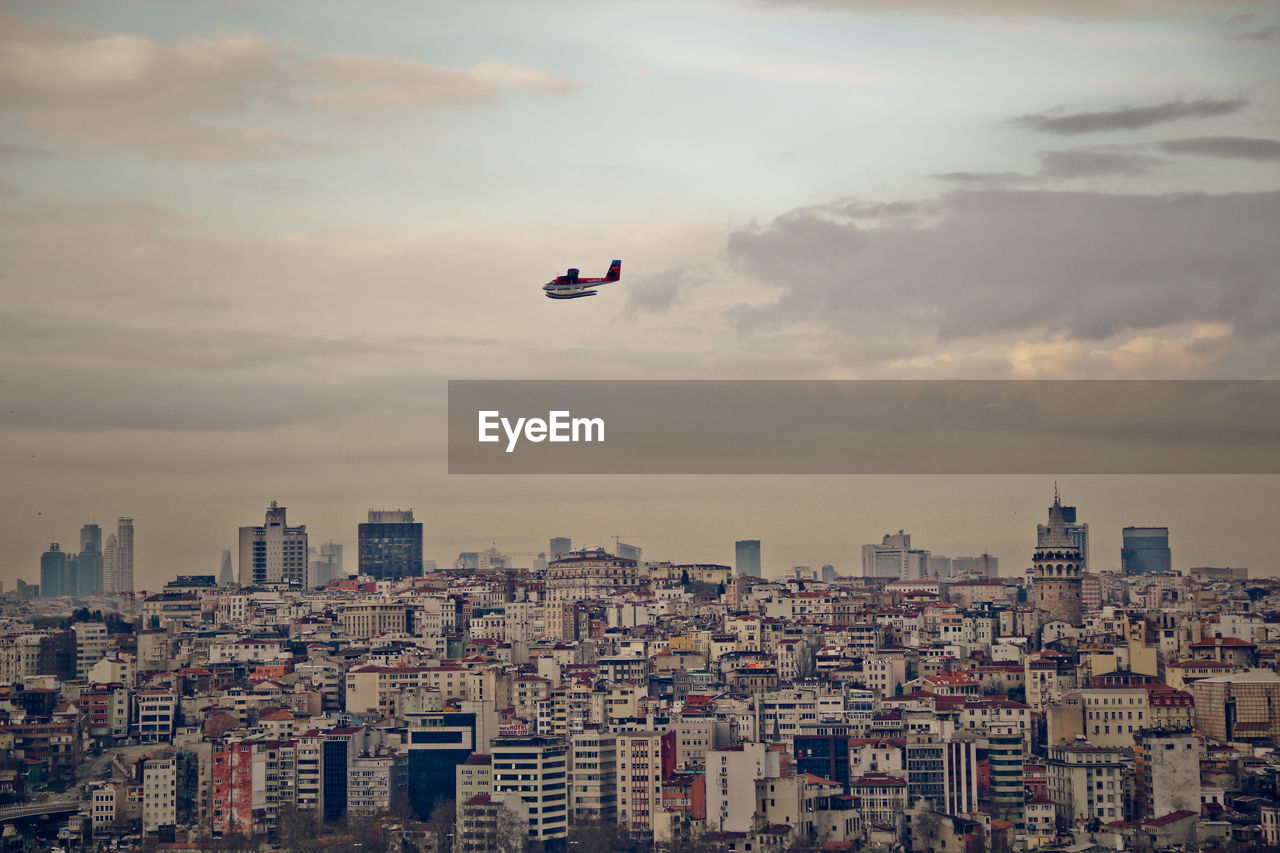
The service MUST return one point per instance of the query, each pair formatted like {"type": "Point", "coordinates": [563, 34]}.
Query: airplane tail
{"type": "Point", "coordinates": [615, 271]}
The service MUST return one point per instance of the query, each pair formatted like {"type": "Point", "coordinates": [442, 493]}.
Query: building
{"type": "Point", "coordinates": [1079, 535]}
{"type": "Point", "coordinates": [53, 573]}
{"type": "Point", "coordinates": [1145, 549]}
{"type": "Point", "coordinates": [324, 567]}
{"type": "Point", "coordinates": [273, 553]}
{"type": "Point", "coordinates": [731, 784]}
{"type": "Point", "coordinates": [593, 792]}
{"type": "Point", "coordinates": [639, 781]}
{"type": "Point", "coordinates": [1244, 706]}
{"type": "Point", "coordinates": [1006, 759]}
{"type": "Point", "coordinates": [561, 546]}
{"type": "Point", "coordinates": [226, 575]}
{"type": "Point", "coordinates": [117, 559]}
{"type": "Point", "coordinates": [895, 558]}
{"type": "Point", "coordinates": [1086, 781]}
{"type": "Point", "coordinates": [390, 545]}
{"type": "Point", "coordinates": [1166, 772]}
{"type": "Point", "coordinates": [589, 575]}
{"type": "Point", "coordinates": [535, 769]}
{"type": "Point", "coordinates": [746, 559]}
{"type": "Point", "coordinates": [1056, 569]}
{"type": "Point", "coordinates": [159, 793]}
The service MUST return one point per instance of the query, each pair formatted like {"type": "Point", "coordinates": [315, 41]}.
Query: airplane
{"type": "Point", "coordinates": [571, 286]}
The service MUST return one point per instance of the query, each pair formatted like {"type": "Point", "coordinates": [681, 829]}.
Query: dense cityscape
{"type": "Point", "coordinates": [591, 699]}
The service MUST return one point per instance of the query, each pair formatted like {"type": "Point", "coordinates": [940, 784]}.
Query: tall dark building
{"type": "Point", "coordinates": [438, 743]}
{"type": "Point", "coordinates": [560, 547]}
{"type": "Point", "coordinates": [747, 557]}
{"type": "Point", "coordinates": [391, 545]}
{"type": "Point", "coordinates": [1145, 549]}
{"type": "Point", "coordinates": [53, 573]}
{"type": "Point", "coordinates": [91, 538]}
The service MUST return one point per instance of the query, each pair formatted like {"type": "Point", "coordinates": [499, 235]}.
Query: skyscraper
{"type": "Point", "coordinates": [1056, 568]}
{"type": "Point", "coordinates": [118, 570]}
{"type": "Point", "coordinates": [560, 547]}
{"type": "Point", "coordinates": [390, 545]}
{"type": "Point", "coordinates": [91, 538]}
{"type": "Point", "coordinates": [89, 565]}
{"type": "Point", "coordinates": [747, 557]}
{"type": "Point", "coordinates": [226, 575]}
{"type": "Point", "coordinates": [1145, 549]}
{"type": "Point", "coordinates": [273, 553]}
{"type": "Point", "coordinates": [53, 573]}
{"type": "Point", "coordinates": [895, 558]}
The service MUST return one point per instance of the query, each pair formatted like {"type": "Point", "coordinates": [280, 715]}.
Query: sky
{"type": "Point", "coordinates": [244, 246]}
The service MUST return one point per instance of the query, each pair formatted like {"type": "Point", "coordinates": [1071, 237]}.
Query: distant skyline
{"type": "Point", "coordinates": [827, 520]}
{"type": "Point", "coordinates": [245, 246]}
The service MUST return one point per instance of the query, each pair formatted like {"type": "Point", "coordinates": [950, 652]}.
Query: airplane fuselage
{"type": "Point", "coordinates": [572, 286]}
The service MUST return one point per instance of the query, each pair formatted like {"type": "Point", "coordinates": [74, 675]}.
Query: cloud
{"type": "Point", "coordinates": [1093, 162]}
{"type": "Point", "coordinates": [1070, 9]}
{"type": "Point", "coordinates": [1060, 122]}
{"type": "Point", "coordinates": [1082, 265]}
{"type": "Point", "coordinates": [199, 98]}
{"type": "Point", "coordinates": [17, 150]}
{"type": "Point", "coordinates": [354, 81]}
{"type": "Point", "coordinates": [1239, 147]}
{"type": "Point", "coordinates": [1267, 34]}
{"type": "Point", "coordinates": [268, 183]}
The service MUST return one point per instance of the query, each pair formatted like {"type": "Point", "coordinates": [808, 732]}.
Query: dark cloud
{"type": "Point", "coordinates": [1267, 34]}
{"type": "Point", "coordinates": [984, 180]}
{"type": "Point", "coordinates": [1093, 162]}
{"type": "Point", "coordinates": [1059, 121]}
{"type": "Point", "coordinates": [1239, 147]}
{"type": "Point", "coordinates": [1081, 265]}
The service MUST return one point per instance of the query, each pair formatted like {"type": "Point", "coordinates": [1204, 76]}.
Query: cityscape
{"type": "Point", "coordinates": [304, 697]}
{"type": "Point", "coordinates": [925, 494]}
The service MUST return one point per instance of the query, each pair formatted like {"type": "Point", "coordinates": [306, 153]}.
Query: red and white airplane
{"type": "Point", "coordinates": [571, 286]}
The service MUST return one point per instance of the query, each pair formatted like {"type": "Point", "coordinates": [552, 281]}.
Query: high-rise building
{"type": "Point", "coordinates": [1056, 569]}
{"type": "Point", "coordinates": [273, 553]}
{"type": "Point", "coordinates": [895, 558]}
{"type": "Point", "coordinates": [1145, 549]}
{"type": "Point", "coordinates": [536, 769]}
{"type": "Point", "coordinates": [560, 547]}
{"type": "Point", "coordinates": [390, 546]}
{"type": "Point", "coordinates": [747, 557]}
{"type": "Point", "coordinates": [1166, 772]}
{"type": "Point", "coordinates": [88, 573]}
{"type": "Point", "coordinates": [628, 552]}
{"type": "Point", "coordinates": [117, 566]}
{"type": "Point", "coordinates": [53, 573]}
{"type": "Point", "coordinates": [91, 538]}
{"type": "Point", "coordinates": [109, 552]}
{"type": "Point", "coordinates": [983, 565]}
{"type": "Point", "coordinates": [226, 575]}
{"type": "Point", "coordinates": [325, 567]}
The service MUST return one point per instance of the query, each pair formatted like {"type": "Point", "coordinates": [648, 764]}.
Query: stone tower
{"type": "Point", "coordinates": [1056, 568]}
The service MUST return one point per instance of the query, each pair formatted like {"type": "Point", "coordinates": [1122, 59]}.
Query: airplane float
{"type": "Point", "coordinates": [572, 286]}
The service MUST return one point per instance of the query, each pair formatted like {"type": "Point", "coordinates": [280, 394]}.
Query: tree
{"type": "Point", "coordinates": [441, 825]}
{"type": "Point", "coordinates": [510, 833]}
{"type": "Point", "coordinates": [296, 830]}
